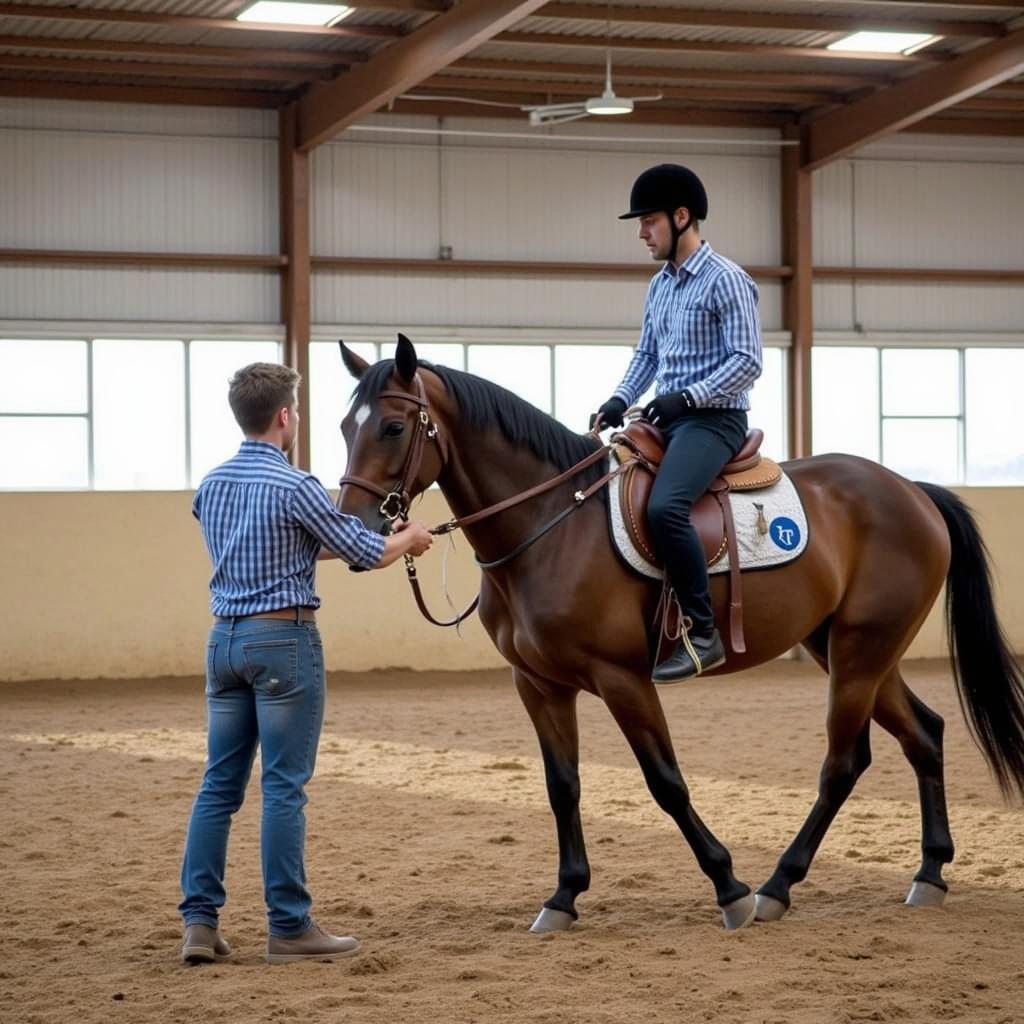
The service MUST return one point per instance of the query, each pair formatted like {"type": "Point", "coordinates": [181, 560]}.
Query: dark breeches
{"type": "Point", "coordinates": [699, 445]}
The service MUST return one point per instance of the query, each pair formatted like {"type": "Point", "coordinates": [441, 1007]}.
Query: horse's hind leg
{"type": "Point", "coordinates": [637, 710]}
{"type": "Point", "coordinates": [552, 709]}
{"type": "Point", "coordinates": [919, 732]}
{"type": "Point", "coordinates": [852, 698]}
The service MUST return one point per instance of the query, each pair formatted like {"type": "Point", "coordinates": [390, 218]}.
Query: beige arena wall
{"type": "Point", "coordinates": [115, 585]}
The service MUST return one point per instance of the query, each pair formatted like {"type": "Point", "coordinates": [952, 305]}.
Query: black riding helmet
{"type": "Point", "coordinates": [667, 187]}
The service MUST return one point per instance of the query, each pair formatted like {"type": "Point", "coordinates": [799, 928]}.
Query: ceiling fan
{"type": "Point", "coordinates": [607, 104]}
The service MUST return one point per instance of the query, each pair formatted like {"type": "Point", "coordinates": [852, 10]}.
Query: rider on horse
{"type": "Point", "coordinates": [701, 345]}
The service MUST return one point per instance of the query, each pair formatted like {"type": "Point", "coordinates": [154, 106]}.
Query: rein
{"type": "Point", "coordinates": [395, 503]}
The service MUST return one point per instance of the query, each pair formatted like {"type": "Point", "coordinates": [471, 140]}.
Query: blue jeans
{"type": "Point", "coordinates": [265, 686]}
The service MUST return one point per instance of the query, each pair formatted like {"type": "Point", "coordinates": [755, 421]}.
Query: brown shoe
{"type": "Point", "coordinates": [202, 945]}
{"type": "Point", "coordinates": [312, 944]}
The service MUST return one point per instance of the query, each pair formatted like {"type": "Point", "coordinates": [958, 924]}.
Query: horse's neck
{"type": "Point", "coordinates": [486, 470]}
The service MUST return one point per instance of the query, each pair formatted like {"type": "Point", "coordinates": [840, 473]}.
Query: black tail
{"type": "Point", "coordinates": [989, 681]}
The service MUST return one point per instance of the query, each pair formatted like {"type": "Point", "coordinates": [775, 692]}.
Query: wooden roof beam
{"type": "Point", "coordinates": [121, 17]}
{"type": "Point", "coordinates": [325, 111]}
{"type": "Point", "coordinates": [705, 46]}
{"type": "Point", "coordinates": [147, 69]}
{"type": "Point", "coordinates": [162, 95]}
{"type": "Point", "coordinates": [627, 72]}
{"type": "Point", "coordinates": [970, 126]}
{"type": "Point", "coordinates": [231, 54]}
{"type": "Point", "coordinates": [705, 117]}
{"type": "Point", "coordinates": [913, 99]}
{"type": "Point", "coordinates": [869, 20]}
{"type": "Point", "coordinates": [713, 94]}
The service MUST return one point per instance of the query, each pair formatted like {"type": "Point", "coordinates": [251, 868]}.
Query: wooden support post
{"type": "Point", "coordinates": [798, 307]}
{"type": "Point", "coordinates": [293, 191]}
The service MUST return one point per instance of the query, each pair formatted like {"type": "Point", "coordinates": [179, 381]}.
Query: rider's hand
{"type": "Point", "coordinates": [610, 414]}
{"type": "Point", "coordinates": [666, 408]}
{"type": "Point", "coordinates": [416, 535]}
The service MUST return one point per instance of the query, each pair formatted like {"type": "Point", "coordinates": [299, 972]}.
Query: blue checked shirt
{"type": "Point", "coordinates": [701, 332]}
{"type": "Point", "coordinates": [264, 523]}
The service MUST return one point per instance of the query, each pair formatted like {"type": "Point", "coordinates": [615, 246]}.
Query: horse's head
{"type": "Point", "coordinates": [393, 449]}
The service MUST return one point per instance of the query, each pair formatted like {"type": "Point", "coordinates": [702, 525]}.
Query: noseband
{"type": "Point", "coordinates": [395, 504]}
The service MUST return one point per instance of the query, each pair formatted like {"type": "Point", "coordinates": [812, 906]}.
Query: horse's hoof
{"type": "Point", "coordinates": [770, 909]}
{"type": "Point", "coordinates": [549, 920]}
{"type": "Point", "coordinates": [924, 894]}
{"type": "Point", "coordinates": [739, 913]}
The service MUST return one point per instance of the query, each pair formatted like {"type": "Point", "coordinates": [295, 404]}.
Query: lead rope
{"type": "Point", "coordinates": [444, 581]}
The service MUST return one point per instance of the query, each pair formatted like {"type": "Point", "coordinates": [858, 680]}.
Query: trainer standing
{"type": "Point", "coordinates": [265, 524]}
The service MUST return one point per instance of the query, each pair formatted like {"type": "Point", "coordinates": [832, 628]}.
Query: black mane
{"type": "Point", "coordinates": [484, 404]}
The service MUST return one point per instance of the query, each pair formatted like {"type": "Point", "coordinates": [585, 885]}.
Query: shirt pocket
{"type": "Point", "coordinates": [696, 326]}
{"type": "Point", "coordinates": [272, 665]}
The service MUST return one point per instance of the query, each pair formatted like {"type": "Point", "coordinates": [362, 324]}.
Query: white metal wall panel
{"type": "Point", "coordinates": [832, 215]}
{"type": "Point", "coordinates": [487, 300]}
{"type": "Point", "coordinates": [376, 200]}
{"type": "Point", "coordinates": [65, 190]}
{"type": "Point", "coordinates": [969, 308]}
{"type": "Point", "coordinates": [522, 204]}
{"type": "Point", "coordinates": [65, 293]}
{"type": "Point", "coordinates": [938, 214]}
{"type": "Point", "coordinates": [834, 307]}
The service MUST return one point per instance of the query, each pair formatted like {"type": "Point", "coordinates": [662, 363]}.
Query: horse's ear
{"type": "Point", "coordinates": [405, 359]}
{"type": "Point", "coordinates": [355, 364]}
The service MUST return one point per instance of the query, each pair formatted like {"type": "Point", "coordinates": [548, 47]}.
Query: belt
{"type": "Point", "coordinates": [297, 615]}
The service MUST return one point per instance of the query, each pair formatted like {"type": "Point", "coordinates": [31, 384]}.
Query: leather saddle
{"type": "Point", "coordinates": [640, 447]}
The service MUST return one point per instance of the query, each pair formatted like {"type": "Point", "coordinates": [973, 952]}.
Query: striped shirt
{"type": "Point", "coordinates": [700, 333]}
{"type": "Point", "coordinates": [264, 523]}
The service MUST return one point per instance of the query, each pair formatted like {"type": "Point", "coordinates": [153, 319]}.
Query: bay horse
{"type": "Point", "coordinates": [568, 615]}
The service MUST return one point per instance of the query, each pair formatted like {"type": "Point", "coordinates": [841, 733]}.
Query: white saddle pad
{"type": "Point", "coordinates": [780, 507]}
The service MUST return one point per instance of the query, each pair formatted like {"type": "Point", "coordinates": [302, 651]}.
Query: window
{"type": "Point", "coordinates": [768, 405]}
{"type": "Point", "coordinates": [576, 377]}
{"type": "Point", "coordinates": [139, 415]}
{"type": "Point", "coordinates": [44, 414]}
{"type": "Point", "coordinates": [330, 388]}
{"type": "Point", "coordinates": [844, 405]}
{"type": "Point", "coordinates": [585, 377]}
{"type": "Point", "coordinates": [524, 369]}
{"type": "Point", "coordinates": [213, 432]}
{"type": "Point", "coordinates": [937, 414]}
{"type": "Point", "coordinates": [118, 414]}
{"type": "Point", "coordinates": [921, 413]}
{"type": "Point", "coordinates": [994, 439]}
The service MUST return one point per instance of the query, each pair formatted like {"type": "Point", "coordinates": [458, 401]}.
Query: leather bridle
{"type": "Point", "coordinates": [395, 503]}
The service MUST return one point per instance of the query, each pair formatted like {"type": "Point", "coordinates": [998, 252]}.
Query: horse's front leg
{"type": "Point", "coordinates": [552, 709]}
{"type": "Point", "coordinates": [636, 708]}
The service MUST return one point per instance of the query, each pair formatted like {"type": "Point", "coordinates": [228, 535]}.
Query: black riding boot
{"type": "Point", "coordinates": [692, 656]}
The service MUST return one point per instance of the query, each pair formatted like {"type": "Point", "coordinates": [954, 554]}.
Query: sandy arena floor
{"type": "Point", "coordinates": [430, 839]}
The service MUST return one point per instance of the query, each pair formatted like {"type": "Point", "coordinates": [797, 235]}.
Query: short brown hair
{"type": "Point", "coordinates": [256, 392]}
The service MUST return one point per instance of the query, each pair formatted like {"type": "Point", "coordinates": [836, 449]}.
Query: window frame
{"type": "Point", "coordinates": [185, 338]}
{"type": "Point", "coordinates": [881, 341]}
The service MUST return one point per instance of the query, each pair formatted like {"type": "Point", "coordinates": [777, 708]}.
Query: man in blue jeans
{"type": "Point", "coordinates": [701, 346]}
{"type": "Point", "coordinates": [265, 524]}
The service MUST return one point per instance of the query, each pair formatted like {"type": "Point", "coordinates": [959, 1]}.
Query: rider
{"type": "Point", "coordinates": [701, 345]}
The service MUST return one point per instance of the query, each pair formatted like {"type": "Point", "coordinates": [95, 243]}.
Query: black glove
{"type": "Point", "coordinates": [610, 414]}
{"type": "Point", "coordinates": [666, 408]}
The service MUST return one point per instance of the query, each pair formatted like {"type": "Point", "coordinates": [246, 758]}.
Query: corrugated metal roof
{"type": "Point", "coordinates": [645, 44]}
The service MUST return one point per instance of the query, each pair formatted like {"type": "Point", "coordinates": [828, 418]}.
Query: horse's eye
{"type": "Point", "coordinates": [394, 429]}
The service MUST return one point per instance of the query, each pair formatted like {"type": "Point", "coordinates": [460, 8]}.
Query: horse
{"type": "Point", "coordinates": [568, 615]}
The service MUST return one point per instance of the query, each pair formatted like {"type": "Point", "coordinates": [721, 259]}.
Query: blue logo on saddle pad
{"type": "Point", "coordinates": [785, 533]}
